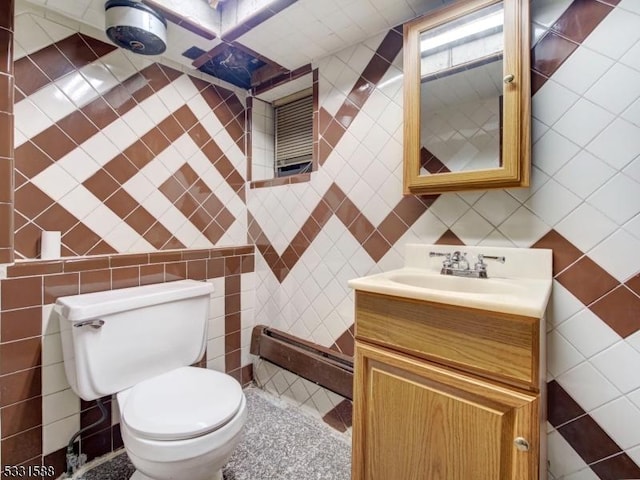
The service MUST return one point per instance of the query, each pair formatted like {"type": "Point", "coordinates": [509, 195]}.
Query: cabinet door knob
{"type": "Point", "coordinates": [509, 78]}
{"type": "Point", "coordinates": [521, 444]}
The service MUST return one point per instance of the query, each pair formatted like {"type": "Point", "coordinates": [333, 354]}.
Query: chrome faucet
{"type": "Point", "coordinates": [456, 264]}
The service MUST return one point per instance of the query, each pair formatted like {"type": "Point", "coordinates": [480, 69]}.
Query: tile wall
{"type": "Point", "coordinates": [351, 219]}
{"type": "Point", "coordinates": [138, 165]}
{"type": "Point", "coordinates": [262, 140]}
{"type": "Point", "coordinates": [6, 130]}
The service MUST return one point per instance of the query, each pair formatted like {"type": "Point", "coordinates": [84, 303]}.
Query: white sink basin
{"type": "Point", "coordinates": [521, 286]}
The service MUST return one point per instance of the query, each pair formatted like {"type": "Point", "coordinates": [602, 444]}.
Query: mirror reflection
{"type": "Point", "coordinates": [461, 87]}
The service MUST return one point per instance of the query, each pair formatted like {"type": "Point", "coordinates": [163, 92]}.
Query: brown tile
{"type": "Point", "coordinates": [345, 116]}
{"type": "Point", "coordinates": [232, 303]}
{"type": "Point", "coordinates": [21, 292]}
{"type": "Point", "coordinates": [634, 284]}
{"type": "Point", "coordinates": [185, 117]}
{"type": "Point", "coordinates": [170, 128]}
{"type": "Point", "coordinates": [60, 285]}
{"type": "Point", "coordinates": [173, 74]}
{"type": "Point", "coordinates": [6, 232]}
{"type": "Point", "coordinates": [561, 408]}
{"type": "Point", "coordinates": [137, 87]}
{"type": "Point", "coordinates": [186, 204]}
{"type": "Point", "coordinates": [101, 248]}
{"type": "Point", "coordinates": [95, 281]}
{"type": "Point", "coordinates": [100, 48]}
{"type": "Point", "coordinates": [80, 239]}
{"type": "Point", "coordinates": [586, 280]}
{"type": "Point", "coordinates": [247, 263]}
{"type": "Point", "coordinates": [6, 51]}
{"type": "Point", "coordinates": [99, 112]}
{"type": "Point", "coordinates": [96, 445]}
{"type": "Point", "coordinates": [186, 176]}
{"type": "Point", "coordinates": [29, 269]}
{"type": "Point", "coordinates": [150, 274]}
{"type": "Point", "coordinates": [588, 439]}
{"type": "Point", "coordinates": [197, 269]}
{"type": "Point", "coordinates": [121, 203]}
{"type": "Point", "coordinates": [232, 323]}
{"type": "Point", "coordinates": [155, 77]}
{"type": "Point", "coordinates": [199, 135]}
{"type": "Point", "coordinates": [333, 133]}
{"type": "Point", "coordinates": [55, 142]}
{"type": "Point", "coordinates": [85, 264]}
{"type": "Point", "coordinates": [324, 150]}
{"type": "Point", "coordinates": [564, 252]}
{"type": "Point", "coordinates": [20, 386]}
{"type": "Point", "coordinates": [231, 361]}
{"type": "Point", "coordinates": [76, 51]}
{"type": "Point", "coordinates": [51, 61]}
{"type": "Point", "coordinates": [201, 219]}
{"type": "Point", "coordinates": [101, 185]}
{"type": "Point", "coordinates": [140, 220]}
{"type": "Point", "coordinates": [157, 235]}
{"type": "Point", "coordinates": [246, 375]}
{"type": "Point", "coordinates": [616, 468]}
{"type": "Point", "coordinates": [155, 140]}
{"type": "Point", "coordinates": [346, 343]}
{"type": "Point", "coordinates": [78, 127]}
{"type": "Point", "coordinates": [57, 461]}
{"type": "Point", "coordinates": [211, 96]}
{"type": "Point", "coordinates": [27, 241]}
{"type": "Point", "coordinates": [409, 209]}
{"type": "Point", "coordinates": [175, 271]}
{"type": "Point", "coordinates": [163, 257]}
{"type": "Point", "coordinates": [20, 324]}
{"type": "Point", "coordinates": [20, 355]}
{"type": "Point", "coordinates": [56, 218]}
{"type": "Point", "coordinates": [550, 52]}
{"type": "Point", "coordinates": [129, 259]}
{"type": "Point", "coordinates": [172, 189]}
{"type": "Point", "coordinates": [29, 78]}
{"type": "Point", "coordinates": [620, 309]}
{"type": "Point", "coordinates": [120, 99]}
{"type": "Point", "coordinates": [200, 191]}
{"type": "Point", "coordinates": [232, 342]}
{"type": "Point", "coordinates": [361, 92]}
{"type": "Point", "coordinates": [125, 277]}
{"type": "Point", "coordinates": [139, 154]}
{"type": "Point", "coordinates": [223, 113]}
{"type": "Point", "coordinates": [375, 69]}
{"type": "Point", "coordinates": [21, 416]}
{"type": "Point", "coordinates": [449, 238]}
{"type": "Point", "coordinates": [22, 447]}
{"type": "Point", "coordinates": [7, 15]}
{"type": "Point", "coordinates": [580, 19]}
{"type": "Point", "coordinates": [376, 246]}
{"type": "Point", "coordinates": [91, 415]}
{"type": "Point", "coordinates": [215, 268]}
{"type": "Point", "coordinates": [121, 169]}
{"type": "Point", "coordinates": [361, 228]}
{"type": "Point", "coordinates": [390, 46]}
{"type": "Point", "coordinates": [232, 266]}
{"type": "Point", "coordinates": [347, 212]}
{"type": "Point", "coordinates": [6, 184]}
{"type": "Point", "coordinates": [30, 160]}
{"type": "Point", "coordinates": [212, 151]}
{"type": "Point", "coordinates": [392, 228]}
{"type": "Point", "coordinates": [537, 81]}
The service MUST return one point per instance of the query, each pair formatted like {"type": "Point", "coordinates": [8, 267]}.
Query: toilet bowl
{"type": "Point", "coordinates": [177, 421]}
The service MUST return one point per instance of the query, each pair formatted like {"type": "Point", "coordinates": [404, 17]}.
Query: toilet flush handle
{"type": "Point", "coordinates": [97, 323]}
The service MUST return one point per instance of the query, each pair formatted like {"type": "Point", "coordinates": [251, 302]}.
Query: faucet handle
{"type": "Point", "coordinates": [438, 254]}
{"type": "Point", "coordinates": [481, 257]}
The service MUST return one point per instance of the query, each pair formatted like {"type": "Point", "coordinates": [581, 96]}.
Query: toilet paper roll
{"type": "Point", "coordinates": [50, 245]}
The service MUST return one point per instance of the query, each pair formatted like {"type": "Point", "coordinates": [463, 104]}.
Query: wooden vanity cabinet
{"type": "Point", "coordinates": [445, 393]}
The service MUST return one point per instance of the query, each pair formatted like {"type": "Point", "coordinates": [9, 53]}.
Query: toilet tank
{"type": "Point", "coordinates": [113, 340]}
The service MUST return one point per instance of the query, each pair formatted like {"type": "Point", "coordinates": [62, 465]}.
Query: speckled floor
{"type": "Point", "coordinates": [280, 442]}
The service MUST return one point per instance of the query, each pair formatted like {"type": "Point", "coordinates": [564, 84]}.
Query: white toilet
{"type": "Point", "coordinates": [177, 421]}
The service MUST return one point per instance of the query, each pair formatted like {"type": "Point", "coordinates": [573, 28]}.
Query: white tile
{"type": "Point", "coordinates": [523, 228]}
{"type": "Point", "coordinates": [54, 379]}
{"type": "Point", "coordinates": [99, 77]}
{"type": "Point", "coordinates": [551, 102]}
{"type": "Point", "coordinates": [619, 364]}
{"type": "Point", "coordinates": [584, 474]}
{"type": "Point", "coordinates": [562, 305]}
{"type": "Point", "coordinates": [635, 397]}
{"type": "Point", "coordinates": [155, 109]}
{"type": "Point", "coordinates": [633, 170]}
{"type": "Point", "coordinates": [185, 87]}
{"type": "Point", "coordinates": [634, 340]}
{"type": "Point", "coordinates": [585, 227]}
{"type": "Point", "coordinates": [587, 386]}
{"type": "Point", "coordinates": [633, 226]}
{"type": "Point", "coordinates": [582, 69]}
{"type": "Point", "coordinates": [632, 57]}
{"type": "Point", "coordinates": [552, 202]}
{"type": "Point", "coordinates": [547, 12]}
{"type": "Point", "coordinates": [50, 321]}
{"type": "Point", "coordinates": [584, 174]}
{"type": "Point", "coordinates": [562, 458]}
{"type": "Point", "coordinates": [54, 181]}
{"type": "Point", "coordinates": [80, 202]}
{"type": "Point", "coordinates": [471, 228]}
{"type": "Point", "coordinates": [583, 122]}
{"type": "Point", "coordinates": [119, 65]}
{"type": "Point", "coordinates": [120, 134]}
{"type": "Point", "coordinates": [77, 89]}
{"type": "Point", "coordinates": [618, 199]}
{"type": "Point", "coordinates": [449, 208]}
{"type": "Point", "coordinates": [588, 333]}
{"type": "Point", "coordinates": [171, 98]}
{"type": "Point", "coordinates": [632, 114]}
{"type": "Point", "coordinates": [538, 179]}
{"type": "Point", "coordinates": [634, 453]}
{"type": "Point", "coordinates": [138, 120]}
{"type": "Point", "coordinates": [59, 405]}
{"type": "Point", "coordinates": [613, 255]}
{"type": "Point", "coordinates": [618, 32]}
{"type": "Point", "coordinates": [618, 88]}
{"type": "Point", "coordinates": [618, 144]}
{"type": "Point", "coordinates": [51, 349]}
{"type": "Point", "coordinates": [496, 206]}
{"type": "Point", "coordinates": [29, 119]}
{"type": "Point", "coordinates": [561, 355]}
{"type": "Point", "coordinates": [100, 148]}
{"type": "Point", "coordinates": [56, 435]}
{"type": "Point", "coordinates": [621, 420]}
{"type": "Point", "coordinates": [553, 151]}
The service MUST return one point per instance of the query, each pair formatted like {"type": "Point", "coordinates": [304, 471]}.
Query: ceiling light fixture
{"type": "Point", "coordinates": [491, 20]}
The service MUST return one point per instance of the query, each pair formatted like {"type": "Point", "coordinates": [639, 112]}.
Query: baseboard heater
{"type": "Point", "coordinates": [320, 365]}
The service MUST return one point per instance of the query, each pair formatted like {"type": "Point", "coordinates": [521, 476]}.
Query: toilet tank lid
{"type": "Point", "coordinates": [93, 305]}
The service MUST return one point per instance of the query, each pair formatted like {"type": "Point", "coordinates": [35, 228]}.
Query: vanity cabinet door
{"type": "Point", "coordinates": [414, 420]}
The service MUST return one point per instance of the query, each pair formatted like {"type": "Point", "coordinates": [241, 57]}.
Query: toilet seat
{"type": "Point", "coordinates": [184, 403]}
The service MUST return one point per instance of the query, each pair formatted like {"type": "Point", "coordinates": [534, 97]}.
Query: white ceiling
{"type": "Point", "coordinates": [302, 33]}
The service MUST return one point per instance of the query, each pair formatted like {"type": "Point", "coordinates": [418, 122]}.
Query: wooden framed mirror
{"type": "Point", "coordinates": [467, 97]}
